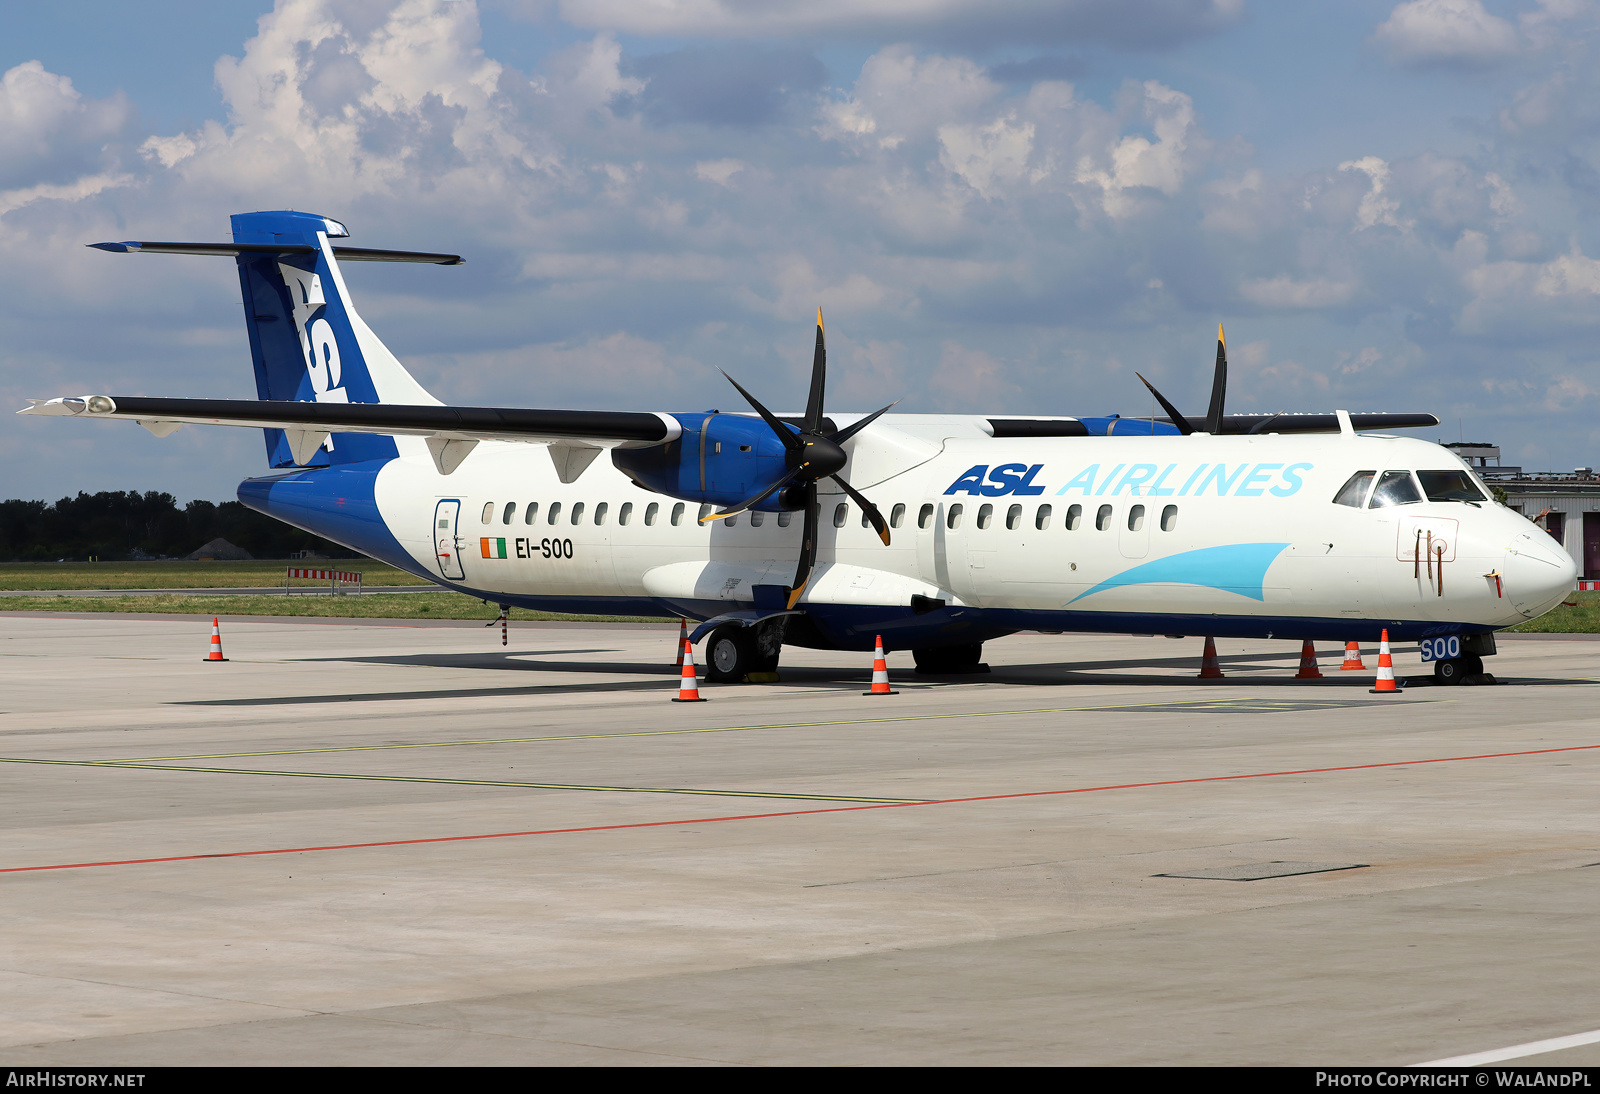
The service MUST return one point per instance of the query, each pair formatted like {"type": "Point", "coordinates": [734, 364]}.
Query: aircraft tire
{"type": "Point", "coordinates": [731, 655]}
{"type": "Point", "coordinates": [1451, 670]}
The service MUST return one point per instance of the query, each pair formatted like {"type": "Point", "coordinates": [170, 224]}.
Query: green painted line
{"type": "Point", "coordinates": [131, 765]}
{"type": "Point", "coordinates": [1184, 703]}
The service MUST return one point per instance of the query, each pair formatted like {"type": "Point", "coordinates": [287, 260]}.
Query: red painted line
{"type": "Point", "coordinates": [796, 812]}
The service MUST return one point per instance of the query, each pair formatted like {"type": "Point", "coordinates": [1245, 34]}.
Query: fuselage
{"type": "Point", "coordinates": [1234, 535]}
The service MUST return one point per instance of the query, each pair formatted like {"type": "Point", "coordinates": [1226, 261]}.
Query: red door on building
{"type": "Point", "coordinates": [1591, 545]}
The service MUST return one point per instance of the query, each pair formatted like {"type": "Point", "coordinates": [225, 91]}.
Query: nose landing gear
{"type": "Point", "coordinates": [1466, 669]}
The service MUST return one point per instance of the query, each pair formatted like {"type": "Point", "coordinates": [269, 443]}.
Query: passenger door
{"type": "Point", "coordinates": [447, 544]}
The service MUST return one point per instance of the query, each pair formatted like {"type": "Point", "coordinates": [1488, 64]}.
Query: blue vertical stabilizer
{"type": "Point", "coordinates": [306, 340]}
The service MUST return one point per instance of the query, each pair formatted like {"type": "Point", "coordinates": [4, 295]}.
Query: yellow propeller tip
{"type": "Point", "coordinates": [819, 316]}
{"type": "Point", "coordinates": [1219, 334]}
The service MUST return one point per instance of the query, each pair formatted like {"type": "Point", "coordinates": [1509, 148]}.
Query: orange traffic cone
{"type": "Point", "coordinates": [880, 673]}
{"type": "Point", "coordinates": [689, 686]}
{"type": "Point", "coordinates": [1308, 663]}
{"type": "Point", "coordinates": [1352, 658]}
{"type": "Point", "coordinates": [683, 636]}
{"type": "Point", "coordinates": [1385, 682]}
{"type": "Point", "coordinates": [1210, 669]}
{"type": "Point", "coordinates": [216, 642]}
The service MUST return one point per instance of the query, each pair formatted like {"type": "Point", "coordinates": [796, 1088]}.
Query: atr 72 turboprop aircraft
{"type": "Point", "coordinates": [1251, 527]}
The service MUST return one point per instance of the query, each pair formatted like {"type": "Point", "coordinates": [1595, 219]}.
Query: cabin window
{"type": "Point", "coordinates": [985, 515]}
{"type": "Point", "coordinates": [651, 512]}
{"type": "Point", "coordinates": [577, 512]}
{"type": "Point", "coordinates": [925, 516]}
{"type": "Point", "coordinates": [488, 512]}
{"type": "Point", "coordinates": [1169, 518]}
{"type": "Point", "coordinates": [555, 512]}
{"type": "Point", "coordinates": [677, 514]}
{"type": "Point", "coordinates": [757, 518]}
{"type": "Point", "coordinates": [1354, 491]}
{"type": "Point", "coordinates": [1449, 486]}
{"type": "Point", "coordinates": [897, 515]}
{"type": "Point", "coordinates": [866, 521]}
{"type": "Point", "coordinates": [732, 522]}
{"type": "Point", "coordinates": [1041, 519]}
{"type": "Point", "coordinates": [841, 513]}
{"type": "Point", "coordinates": [1102, 519]}
{"type": "Point", "coordinates": [511, 511]}
{"type": "Point", "coordinates": [784, 518]}
{"type": "Point", "coordinates": [625, 514]}
{"type": "Point", "coordinates": [600, 512]}
{"type": "Point", "coordinates": [531, 512]}
{"type": "Point", "coordinates": [952, 517]}
{"type": "Point", "coordinates": [1395, 488]}
{"type": "Point", "coordinates": [706, 511]}
{"type": "Point", "coordinates": [1013, 518]}
{"type": "Point", "coordinates": [1074, 518]}
{"type": "Point", "coordinates": [1136, 518]}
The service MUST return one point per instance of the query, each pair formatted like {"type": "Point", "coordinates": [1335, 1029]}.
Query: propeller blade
{"type": "Point", "coordinates": [751, 503]}
{"type": "Point", "coordinates": [785, 434]}
{"type": "Point", "coordinates": [1219, 386]}
{"type": "Point", "coordinates": [1263, 423]}
{"type": "Point", "coordinates": [850, 431]}
{"type": "Point", "coordinates": [1172, 412]}
{"type": "Point", "coordinates": [819, 382]}
{"type": "Point", "coordinates": [878, 523]}
{"type": "Point", "coordinates": [808, 545]}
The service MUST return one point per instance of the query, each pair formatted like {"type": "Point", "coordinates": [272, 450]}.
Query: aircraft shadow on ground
{"type": "Point", "coordinates": [820, 678]}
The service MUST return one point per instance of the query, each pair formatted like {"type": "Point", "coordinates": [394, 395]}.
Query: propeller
{"type": "Point", "coordinates": [1219, 392]}
{"type": "Point", "coordinates": [810, 455]}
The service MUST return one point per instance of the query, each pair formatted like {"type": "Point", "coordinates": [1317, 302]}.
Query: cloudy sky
{"type": "Point", "coordinates": [1002, 206]}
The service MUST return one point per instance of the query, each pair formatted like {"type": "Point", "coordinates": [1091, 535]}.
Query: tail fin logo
{"type": "Point", "coordinates": [318, 347]}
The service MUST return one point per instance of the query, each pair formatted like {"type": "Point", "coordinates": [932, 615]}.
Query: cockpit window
{"type": "Point", "coordinates": [1395, 488]}
{"type": "Point", "coordinates": [1354, 492]}
{"type": "Point", "coordinates": [1449, 486]}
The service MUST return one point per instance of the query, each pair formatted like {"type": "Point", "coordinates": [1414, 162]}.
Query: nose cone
{"type": "Point", "coordinates": [1538, 573]}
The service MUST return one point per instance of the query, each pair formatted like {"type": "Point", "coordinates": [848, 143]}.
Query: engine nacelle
{"type": "Point", "coordinates": [720, 458]}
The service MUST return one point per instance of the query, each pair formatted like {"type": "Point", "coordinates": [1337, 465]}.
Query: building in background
{"type": "Point", "coordinates": [1564, 503]}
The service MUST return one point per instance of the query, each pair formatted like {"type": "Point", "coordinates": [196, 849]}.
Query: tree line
{"type": "Point", "coordinates": [117, 525]}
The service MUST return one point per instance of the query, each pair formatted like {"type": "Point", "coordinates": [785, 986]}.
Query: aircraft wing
{"type": "Point", "coordinates": [451, 431]}
{"type": "Point", "coordinates": [1322, 423]}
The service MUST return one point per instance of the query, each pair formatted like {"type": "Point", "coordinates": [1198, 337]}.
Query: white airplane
{"type": "Point", "coordinates": [1266, 526]}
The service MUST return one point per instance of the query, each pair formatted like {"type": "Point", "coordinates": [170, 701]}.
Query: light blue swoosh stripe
{"type": "Point", "coordinates": [1237, 568]}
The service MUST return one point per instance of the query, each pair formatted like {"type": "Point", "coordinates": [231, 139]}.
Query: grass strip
{"type": "Point", "coordinates": [430, 605]}
{"type": "Point", "coordinates": [1579, 615]}
{"type": "Point", "coordinates": [188, 575]}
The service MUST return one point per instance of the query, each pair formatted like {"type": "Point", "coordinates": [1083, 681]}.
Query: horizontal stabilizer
{"type": "Point", "coordinates": [234, 250]}
{"type": "Point", "coordinates": [600, 428]}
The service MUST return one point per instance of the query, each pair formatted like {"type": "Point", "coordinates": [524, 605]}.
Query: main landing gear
{"type": "Point", "coordinates": [734, 652]}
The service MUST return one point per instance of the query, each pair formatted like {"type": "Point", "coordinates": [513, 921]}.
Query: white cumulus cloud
{"type": "Point", "coordinates": [1448, 31]}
